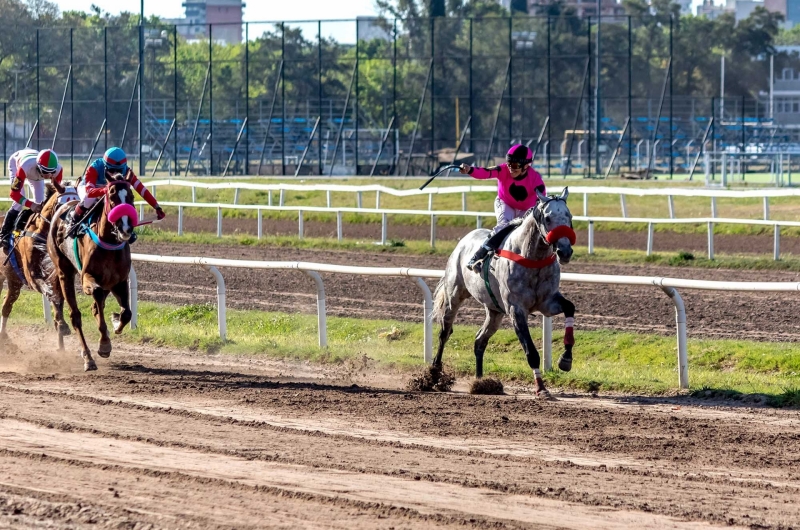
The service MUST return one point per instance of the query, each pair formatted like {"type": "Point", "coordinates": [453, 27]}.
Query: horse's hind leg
{"type": "Point", "coordinates": [558, 304]}
{"type": "Point", "coordinates": [67, 280]}
{"type": "Point", "coordinates": [98, 310]}
{"type": "Point", "coordinates": [489, 328]}
{"type": "Point", "coordinates": [120, 320]}
{"type": "Point", "coordinates": [520, 319]}
{"type": "Point", "coordinates": [12, 295]}
{"type": "Point", "coordinates": [57, 299]}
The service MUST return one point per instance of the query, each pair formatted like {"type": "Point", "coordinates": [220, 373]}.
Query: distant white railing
{"type": "Point", "coordinates": [667, 285]}
{"type": "Point", "coordinates": [710, 222]}
{"type": "Point", "coordinates": [713, 194]}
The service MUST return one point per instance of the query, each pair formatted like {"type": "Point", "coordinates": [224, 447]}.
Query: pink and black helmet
{"type": "Point", "coordinates": [519, 154]}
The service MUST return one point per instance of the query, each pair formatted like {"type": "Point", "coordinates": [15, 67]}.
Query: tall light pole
{"type": "Point", "coordinates": [141, 86]}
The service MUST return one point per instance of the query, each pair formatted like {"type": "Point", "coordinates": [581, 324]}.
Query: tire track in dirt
{"type": "Point", "coordinates": [446, 458]}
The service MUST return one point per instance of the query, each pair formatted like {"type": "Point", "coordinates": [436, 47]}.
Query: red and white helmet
{"type": "Point", "coordinates": [47, 161]}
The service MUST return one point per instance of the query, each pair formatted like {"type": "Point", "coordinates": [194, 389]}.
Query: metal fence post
{"type": "Point", "coordinates": [322, 317]}
{"type": "Point", "coordinates": [433, 231]}
{"type": "Point", "coordinates": [180, 220]}
{"type": "Point", "coordinates": [210, 102]}
{"type": "Point", "coordinates": [300, 227]}
{"type": "Point", "coordinates": [777, 243]}
{"type": "Point", "coordinates": [222, 322]}
{"type": "Point", "coordinates": [133, 290]}
{"type": "Point", "coordinates": [547, 343]}
{"type": "Point", "coordinates": [680, 324]}
{"type": "Point", "coordinates": [710, 240]}
{"type": "Point", "coordinates": [427, 310]}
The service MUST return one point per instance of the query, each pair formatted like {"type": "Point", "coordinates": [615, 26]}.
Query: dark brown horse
{"type": "Point", "coordinates": [102, 257]}
{"type": "Point", "coordinates": [31, 266]}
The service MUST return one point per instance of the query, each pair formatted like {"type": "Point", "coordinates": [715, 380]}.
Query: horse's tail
{"type": "Point", "coordinates": [440, 302]}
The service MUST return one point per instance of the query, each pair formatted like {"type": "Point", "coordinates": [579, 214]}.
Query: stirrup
{"type": "Point", "coordinates": [476, 265]}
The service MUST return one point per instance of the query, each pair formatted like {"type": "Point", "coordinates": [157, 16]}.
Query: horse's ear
{"type": "Point", "coordinates": [542, 197]}
{"type": "Point", "coordinates": [58, 187]}
{"type": "Point", "coordinates": [538, 216]}
{"type": "Point", "coordinates": [565, 193]}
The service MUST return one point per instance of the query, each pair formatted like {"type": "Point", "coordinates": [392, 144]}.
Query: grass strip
{"type": "Point", "coordinates": [604, 360]}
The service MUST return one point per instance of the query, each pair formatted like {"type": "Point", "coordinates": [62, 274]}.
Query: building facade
{"type": "Point", "coordinates": [225, 16]}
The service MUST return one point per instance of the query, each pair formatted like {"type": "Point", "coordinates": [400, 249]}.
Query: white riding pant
{"type": "Point", "coordinates": [37, 187]}
{"type": "Point", "coordinates": [86, 201]}
{"type": "Point", "coordinates": [505, 214]}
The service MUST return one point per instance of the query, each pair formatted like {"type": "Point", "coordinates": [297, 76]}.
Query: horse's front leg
{"type": "Point", "coordinates": [67, 280]}
{"type": "Point", "coordinates": [519, 318]}
{"type": "Point", "coordinates": [556, 305]}
{"type": "Point", "coordinates": [12, 295]}
{"type": "Point", "coordinates": [98, 310]}
{"type": "Point", "coordinates": [122, 294]}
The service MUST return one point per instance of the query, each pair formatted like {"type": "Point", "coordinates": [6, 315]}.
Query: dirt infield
{"type": "Point", "coordinates": [757, 316]}
{"type": "Point", "coordinates": [165, 439]}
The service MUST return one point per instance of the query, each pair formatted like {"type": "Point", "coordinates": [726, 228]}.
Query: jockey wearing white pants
{"type": "Point", "coordinates": [33, 167]}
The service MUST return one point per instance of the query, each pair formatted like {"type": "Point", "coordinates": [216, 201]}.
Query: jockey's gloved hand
{"type": "Point", "coordinates": [160, 213]}
{"type": "Point", "coordinates": [36, 207]}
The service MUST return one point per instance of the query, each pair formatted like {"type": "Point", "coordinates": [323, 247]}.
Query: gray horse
{"type": "Point", "coordinates": [523, 277]}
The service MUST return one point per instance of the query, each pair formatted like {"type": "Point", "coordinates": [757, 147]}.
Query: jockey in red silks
{"type": "Point", "coordinates": [517, 183]}
{"type": "Point", "coordinates": [33, 167]}
{"type": "Point", "coordinates": [94, 181]}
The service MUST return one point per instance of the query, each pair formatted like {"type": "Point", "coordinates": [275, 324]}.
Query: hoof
{"type": "Point", "coordinates": [565, 364]}
{"type": "Point", "coordinates": [104, 350]}
{"type": "Point", "coordinates": [89, 366]}
{"type": "Point", "coordinates": [118, 324]}
{"type": "Point", "coordinates": [64, 329]}
{"type": "Point", "coordinates": [540, 388]}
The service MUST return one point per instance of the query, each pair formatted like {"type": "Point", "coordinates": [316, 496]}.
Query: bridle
{"type": "Point", "coordinates": [552, 236]}
{"type": "Point", "coordinates": [107, 206]}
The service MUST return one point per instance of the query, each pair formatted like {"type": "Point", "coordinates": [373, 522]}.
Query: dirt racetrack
{"type": "Point", "coordinates": [165, 439]}
{"type": "Point", "coordinates": [755, 316]}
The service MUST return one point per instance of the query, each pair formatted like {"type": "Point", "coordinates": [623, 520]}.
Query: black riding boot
{"type": "Point", "coordinates": [8, 227]}
{"type": "Point", "coordinates": [491, 244]}
{"type": "Point", "coordinates": [22, 220]}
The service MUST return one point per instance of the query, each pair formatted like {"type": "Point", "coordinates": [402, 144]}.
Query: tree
{"type": "Point", "coordinates": [519, 6]}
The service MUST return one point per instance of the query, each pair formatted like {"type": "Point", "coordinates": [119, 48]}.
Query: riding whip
{"type": "Point", "coordinates": [445, 168]}
{"type": "Point", "coordinates": [86, 216]}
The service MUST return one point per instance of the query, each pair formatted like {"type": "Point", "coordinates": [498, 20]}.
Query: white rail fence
{"type": "Point", "coordinates": [710, 222]}
{"type": "Point", "coordinates": [669, 193]}
{"type": "Point", "coordinates": [669, 286]}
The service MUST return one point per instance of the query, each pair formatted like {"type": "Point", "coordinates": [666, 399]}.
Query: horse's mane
{"type": "Point", "coordinates": [50, 190]}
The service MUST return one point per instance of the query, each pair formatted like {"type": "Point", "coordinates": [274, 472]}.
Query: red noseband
{"type": "Point", "coordinates": [561, 231]}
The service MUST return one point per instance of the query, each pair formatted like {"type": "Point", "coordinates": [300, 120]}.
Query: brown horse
{"type": "Point", "coordinates": [31, 266]}
{"type": "Point", "coordinates": [102, 257]}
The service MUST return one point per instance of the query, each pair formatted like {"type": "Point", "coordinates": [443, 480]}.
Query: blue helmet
{"type": "Point", "coordinates": [115, 158]}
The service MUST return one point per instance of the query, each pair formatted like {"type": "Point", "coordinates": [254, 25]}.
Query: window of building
{"type": "Point", "coordinates": [796, 107]}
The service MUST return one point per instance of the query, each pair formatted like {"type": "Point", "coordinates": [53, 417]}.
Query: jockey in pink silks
{"type": "Point", "coordinates": [517, 183]}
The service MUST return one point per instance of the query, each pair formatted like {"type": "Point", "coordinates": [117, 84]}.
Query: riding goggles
{"type": "Point", "coordinates": [518, 164]}
{"type": "Point", "coordinates": [47, 170]}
